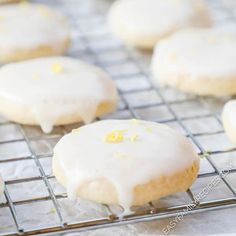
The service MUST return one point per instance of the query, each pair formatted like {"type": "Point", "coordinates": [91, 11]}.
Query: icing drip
{"type": "Point", "coordinates": [130, 155]}
{"type": "Point", "coordinates": [55, 87]}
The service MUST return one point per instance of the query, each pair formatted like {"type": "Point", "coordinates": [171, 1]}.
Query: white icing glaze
{"type": "Point", "coordinates": [56, 86]}
{"type": "Point", "coordinates": [147, 150]}
{"type": "Point", "coordinates": [1, 185]}
{"type": "Point", "coordinates": [229, 112]}
{"type": "Point", "coordinates": [155, 16]}
{"type": "Point", "coordinates": [209, 53]}
{"type": "Point", "coordinates": [26, 26]}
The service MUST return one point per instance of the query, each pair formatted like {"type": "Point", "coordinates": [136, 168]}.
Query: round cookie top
{"type": "Point", "coordinates": [52, 87]}
{"type": "Point", "coordinates": [210, 53]}
{"type": "Point", "coordinates": [155, 17]}
{"type": "Point", "coordinates": [126, 152]}
{"type": "Point", "coordinates": [26, 26]}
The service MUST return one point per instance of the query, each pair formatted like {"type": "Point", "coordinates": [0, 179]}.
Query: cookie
{"type": "Point", "coordinates": [126, 162]}
{"type": "Point", "coordinates": [199, 61]}
{"type": "Point", "coordinates": [55, 91]}
{"type": "Point", "coordinates": [31, 30]}
{"type": "Point", "coordinates": [229, 118]}
{"type": "Point", "coordinates": [142, 23]}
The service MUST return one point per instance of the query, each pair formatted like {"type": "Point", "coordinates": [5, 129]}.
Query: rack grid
{"type": "Point", "coordinates": [138, 99]}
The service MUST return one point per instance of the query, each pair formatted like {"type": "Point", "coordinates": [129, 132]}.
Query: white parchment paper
{"type": "Point", "coordinates": [42, 213]}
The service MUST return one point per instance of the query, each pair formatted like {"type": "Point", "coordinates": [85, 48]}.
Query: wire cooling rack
{"type": "Point", "coordinates": [32, 193]}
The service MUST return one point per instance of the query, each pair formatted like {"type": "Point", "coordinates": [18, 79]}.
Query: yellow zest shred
{"type": "Point", "coordinates": [135, 121]}
{"type": "Point", "coordinates": [204, 154]}
{"type": "Point", "coordinates": [52, 210]}
{"type": "Point", "coordinates": [24, 3]}
{"type": "Point", "coordinates": [43, 11]}
{"type": "Point", "coordinates": [76, 130]}
{"type": "Point", "coordinates": [133, 137]}
{"type": "Point", "coordinates": [56, 68]}
{"type": "Point", "coordinates": [115, 136]}
{"type": "Point", "coordinates": [149, 129]}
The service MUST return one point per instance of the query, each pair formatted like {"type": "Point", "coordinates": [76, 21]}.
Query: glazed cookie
{"type": "Point", "coordinates": [229, 120]}
{"type": "Point", "coordinates": [141, 23]}
{"type": "Point", "coordinates": [126, 162]}
{"type": "Point", "coordinates": [31, 30]}
{"type": "Point", "coordinates": [200, 61]}
{"type": "Point", "coordinates": [55, 91]}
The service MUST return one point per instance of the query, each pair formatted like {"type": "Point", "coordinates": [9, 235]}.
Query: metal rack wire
{"type": "Point", "coordinates": [92, 42]}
